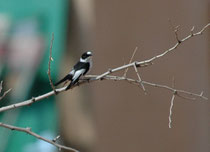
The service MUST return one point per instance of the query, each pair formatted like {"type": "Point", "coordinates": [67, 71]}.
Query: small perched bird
{"type": "Point", "coordinates": [81, 68]}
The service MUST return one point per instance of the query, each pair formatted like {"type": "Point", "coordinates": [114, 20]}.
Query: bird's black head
{"type": "Point", "coordinates": [86, 55]}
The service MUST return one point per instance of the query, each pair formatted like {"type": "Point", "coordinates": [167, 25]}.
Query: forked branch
{"type": "Point", "coordinates": [5, 93]}
{"type": "Point", "coordinates": [106, 76]}
{"type": "Point", "coordinates": [30, 132]}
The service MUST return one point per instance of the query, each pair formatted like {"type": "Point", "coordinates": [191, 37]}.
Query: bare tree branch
{"type": "Point", "coordinates": [176, 29]}
{"type": "Point", "coordinates": [49, 63]}
{"type": "Point", "coordinates": [126, 70]}
{"type": "Point", "coordinates": [106, 76]}
{"type": "Point", "coordinates": [170, 111]}
{"type": "Point", "coordinates": [92, 78]}
{"type": "Point", "coordinates": [5, 93]}
{"type": "Point", "coordinates": [32, 100]}
{"type": "Point", "coordinates": [140, 80]}
{"type": "Point", "coordinates": [148, 62]}
{"type": "Point", "coordinates": [28, 131]}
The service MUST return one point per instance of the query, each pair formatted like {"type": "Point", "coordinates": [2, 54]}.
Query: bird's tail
{"type": "Point", "coordinates": [67, 77]}
{"type": "Point", "coordinates": [70, 85]}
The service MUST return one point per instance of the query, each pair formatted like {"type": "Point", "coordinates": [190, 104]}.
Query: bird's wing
{"type": "Point", "coordinates": [67, 77]}
{"type": "Point", "coordinates": [77, 75]}
{"type": "Point", "coordinates": [87, 67]}
{"type": "Point", "coordinates": [82, 65]}
{"type": "Point", "coordinates": [75, 78]}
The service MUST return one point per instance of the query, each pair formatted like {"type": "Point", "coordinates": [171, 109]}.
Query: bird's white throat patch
{"type": "Point", "coordinates": [85, 60]}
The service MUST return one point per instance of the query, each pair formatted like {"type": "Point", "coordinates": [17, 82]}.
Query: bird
{"type": "Point", "coordinates": [81, 68]}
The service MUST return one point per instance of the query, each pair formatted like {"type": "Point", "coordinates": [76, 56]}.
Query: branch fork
{"type": "Point", "coordinates": [105, 76]}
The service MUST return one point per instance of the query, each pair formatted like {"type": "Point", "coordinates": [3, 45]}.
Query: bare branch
{"type": "Point", "coordinates": [134, 52]}
{"type": "Point", "coordinates": [136, 82]}
{"type": "Point", "coordinates": [28, 131]}
{"type": "Point", "coordinates": [140, 81]}
{"type": "Point", "coordinates": [193, 94]}
{"type": "Point", "coordinates": [172, 103]}
{"type": "Point", "coordinates": [106, 76]}
{"type": "Point", "coordinates": [5, 93]}
{"type": "Point", "coordinates": [149, 62]}
{"type": "Point", "coordinates": [92, 78]}
{"type": "Point", "coordinates": [176, 29]}
{"type": "Point", "coordinates": [170, 111]}
{"type": "Point", "coordinates": [192, 30]}
{"type": "Point", "coordinates": [49, 63]}
{"type": "Point", "coordinates": [32, 100]}
{"type": "Point", "coordinates": [203, 29]}
{"type": "Point", "coordinates": [186, 98]}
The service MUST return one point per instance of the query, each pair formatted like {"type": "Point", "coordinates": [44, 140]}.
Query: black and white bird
{"type": "Point", "coordinates": [80, 69]}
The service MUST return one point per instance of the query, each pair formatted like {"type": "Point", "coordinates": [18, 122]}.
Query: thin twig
{"type": "Point", "coordinates": [170, 111]}
{"type": "Point", "coordinates": [5, 93]}
{"type": "Point", "coordinates": [192, 30]}
{"type": "Point", "coordinates": [140, 80]}
{"type": "Point", "coordinates": [126, 70]}
{"type": "Point", "coordinates": [49, 63]}
{"type": "Point", "coordinates": [172, 102]}
{"type": "Point", "coordinates": [28, 131]}
{"type": "Point", "coordinates": [150, 61]}
{"type": "Point", "coordinates": [192, 94]}
{"type": "Point", "coordinates": [176, 29]}
{"type": "Point", "coordinates": [185, 97]}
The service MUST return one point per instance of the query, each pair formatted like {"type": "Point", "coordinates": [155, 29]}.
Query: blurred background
{"type": "Point", "coordinates": [107, 115]}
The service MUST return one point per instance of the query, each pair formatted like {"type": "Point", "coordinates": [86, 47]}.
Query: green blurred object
{"type": "Point", "coordinates": [51, 16]}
